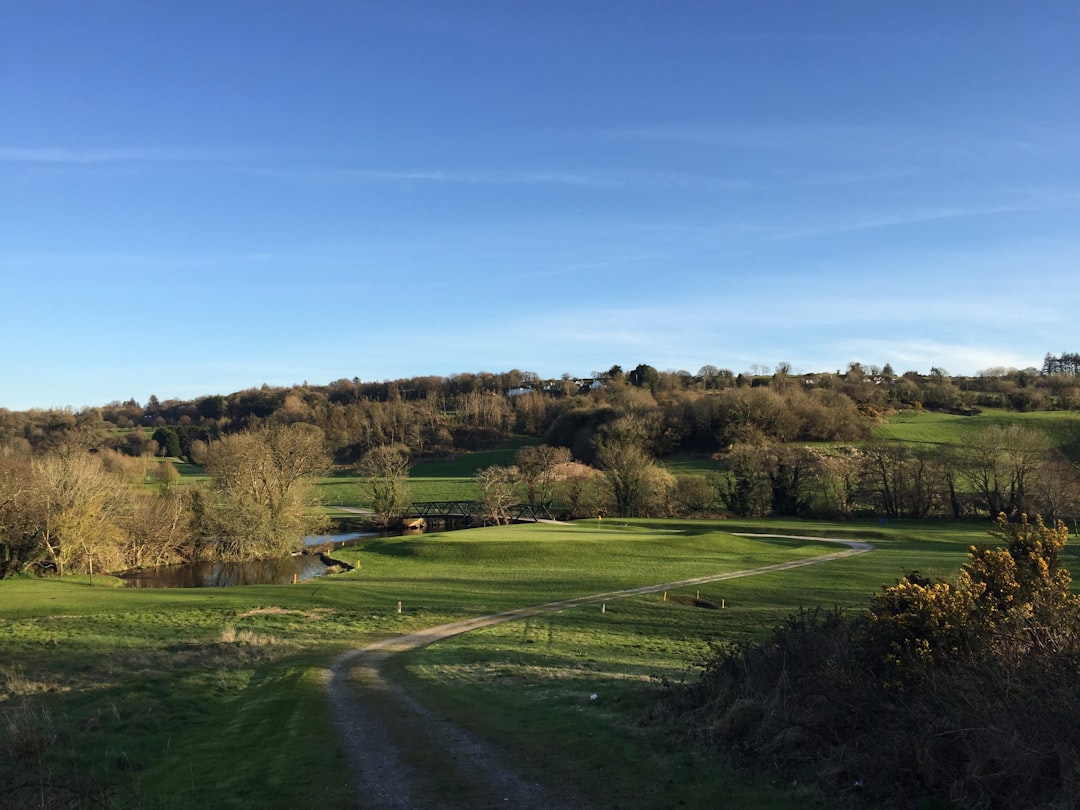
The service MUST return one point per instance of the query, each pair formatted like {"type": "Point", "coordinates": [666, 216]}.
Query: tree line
{"type": "Point", "coordinates": [1003, 469]}
{"type": "Point", "coordinates": [785, 445]}
{"type": "Point", "coordinates": [1010, 470]}
{"type": "Point", "coordinates": [75, 508]}
{"type": "Point", "coordinates": [439, 415]}
{"type": "Point", "coordinates": [1067, 363]}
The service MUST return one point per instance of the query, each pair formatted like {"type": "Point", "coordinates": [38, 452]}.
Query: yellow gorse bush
{"type": "Point", "coordinates": [1006, 602]}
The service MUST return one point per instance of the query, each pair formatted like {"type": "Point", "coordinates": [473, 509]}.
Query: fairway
{"type": "Point", "coordinates": [131, 686]}
{"type": "Point", "coordinates": [362, 698]}
{"type": "Point", "coordinates": [1061, 428]}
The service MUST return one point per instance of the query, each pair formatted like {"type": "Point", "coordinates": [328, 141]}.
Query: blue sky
{"type": "Point", "coordinates": [202, 197]}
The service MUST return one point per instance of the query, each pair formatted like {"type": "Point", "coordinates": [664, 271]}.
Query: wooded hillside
{"type": "Point", "coordinates": [73, 488]}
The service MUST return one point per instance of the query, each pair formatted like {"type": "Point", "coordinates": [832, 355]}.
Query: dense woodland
{"type": "Point", "coordinates": [706, 412]}
{"type": "Point", "coordinates": [73, 492]}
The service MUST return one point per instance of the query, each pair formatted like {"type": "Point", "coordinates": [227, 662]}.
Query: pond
{"type": "Point", "coordinates": [337, 540]}
{"type": "Point", "coordinates": [255, 572]}
{"type": "Point", "coordinates": [220, 574]}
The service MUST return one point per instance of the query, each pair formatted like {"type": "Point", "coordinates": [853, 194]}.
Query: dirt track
{"type": "Point", "coordinates": [402, 757]}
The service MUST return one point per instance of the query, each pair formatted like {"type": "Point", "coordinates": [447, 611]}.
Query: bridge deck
{"type": "Point", "coordinates": [520, 512]}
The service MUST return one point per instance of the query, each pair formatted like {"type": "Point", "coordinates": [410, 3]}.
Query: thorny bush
{"type": "Point", "coordinates": [941, 693]}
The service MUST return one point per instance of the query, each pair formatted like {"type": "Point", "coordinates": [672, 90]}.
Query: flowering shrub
{"type": "Point", "coordinates": [960, 692]}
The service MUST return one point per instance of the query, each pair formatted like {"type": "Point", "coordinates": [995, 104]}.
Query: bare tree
{"type": "Point", "coordinates": [636, 484]}
{"type": "Point", "coordinates": [1057, 490]}
{"type": "Point", "coordinates": [577, 490]}
{"type": "Point", "coordinates": [386, 475]}
{"type": "Point", "coordinates": [498, 491]}
{"type": "Point", "coordinates": [159, 530]}
{"type": "Point", "coordinates": [258, 503]}
{"type": "Point", "coordinates": [834, 479]}
{"type": "Point", "coordinates": [696, 495]}
{"type": "Point", "coordinates": [1001, 463]}
{"type": "Point", "coordinates": [538, 468]}
{"type": "Point", "coordinates": [19, 547]}
{"type": "Point", "coordinates": [903, 481]}
{"type": "Point", "coordinates": [77, 509]}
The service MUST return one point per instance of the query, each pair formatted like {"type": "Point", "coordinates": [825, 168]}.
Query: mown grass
{"type": "Point", "coordinates": [445, 479]}
{"type": "Point", "coordinates": [529, 685]}
{"type": "Point", "coordinates": [214, 697]}
{"type": "Point", "coordinates": [1062, 428]}
{"type": "Point", "coordinates": [686, 464]}
{"type": "Point", "coordinates": [176, 686]}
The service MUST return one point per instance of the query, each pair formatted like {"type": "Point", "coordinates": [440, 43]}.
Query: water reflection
{"type": "Point", "coordinates": [337, 540]}
{"type": "Point", "coordinates": [220, 574]}
{"type": "Point", "coordinates": [258, 572]}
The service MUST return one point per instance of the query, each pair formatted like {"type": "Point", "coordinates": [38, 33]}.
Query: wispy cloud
{"type": "Point", "coordinates": [165, 259]}
{"type": "Point", "coordinates": [448, 176]}
{"type": "Point", "coordinates": [895, 219]}
{"type": "Point", "coordinates": [788, 136]}
{"type": "Point", "coordinates": [600, 179]}
{"type": "Point", "coordinates": [1009, 202]}
{"type": "Point", "coordinates": [853, 142]}
{"type": "Point", "coordinates": [53, 155]}
{"type": "Point", "coordinates": [286, 170]}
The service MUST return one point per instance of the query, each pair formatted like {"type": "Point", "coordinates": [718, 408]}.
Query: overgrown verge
{"type": "Point", "coordinates": [941, 693]}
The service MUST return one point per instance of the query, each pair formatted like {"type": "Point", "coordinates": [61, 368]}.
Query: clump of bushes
{"type": "Point", "coordinates": [943, 692]}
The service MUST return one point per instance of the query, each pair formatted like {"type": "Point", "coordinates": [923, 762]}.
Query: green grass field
{"type": "Point", "coordinates": [214, 697]}
{"type": "Point", "coordinates": [1062, 428]}
{"type": "Point", "coordinates": [439, 480]}
{"type": "Point", "coordinates": [451, 479]}
{"type": "Point", "coordinates": [173, 699]}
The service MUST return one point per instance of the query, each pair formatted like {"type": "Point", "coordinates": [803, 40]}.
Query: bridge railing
{"type": "Point", "coordinates": [521, 512]}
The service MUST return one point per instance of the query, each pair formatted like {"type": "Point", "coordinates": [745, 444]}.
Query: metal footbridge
{"type": "Point", "coordinates": [475, 510]}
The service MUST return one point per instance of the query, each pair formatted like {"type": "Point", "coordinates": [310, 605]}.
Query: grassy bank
{"type": "Point", "coordinates": [1061, 428]}
{"type": "Point", "coordinates": [214, 698]}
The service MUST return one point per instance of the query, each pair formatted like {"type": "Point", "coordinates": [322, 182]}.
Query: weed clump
{"type": "Point", "coordinates": [941, 692]}
{"type": "Point", "coordinates": [26, 733]}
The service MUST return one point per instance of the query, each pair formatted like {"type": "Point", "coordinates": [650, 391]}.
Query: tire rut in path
{"type": "Point", "coordinates": [401, 756]}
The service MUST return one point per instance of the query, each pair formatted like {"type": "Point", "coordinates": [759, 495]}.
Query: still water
{"type": "Point", "coordinates": [257, 572]}
{"type": "Point", "coordinates": [337, 540]}
{"type": "Point", "coordinates": [219, 574]}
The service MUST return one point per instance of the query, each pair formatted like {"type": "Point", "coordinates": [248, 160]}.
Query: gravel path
{"type": "Point", "coordinates": [403, 757]}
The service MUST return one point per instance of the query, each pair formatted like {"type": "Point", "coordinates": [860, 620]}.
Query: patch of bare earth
{"type": "Point", "coordinates": [404, 757]}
